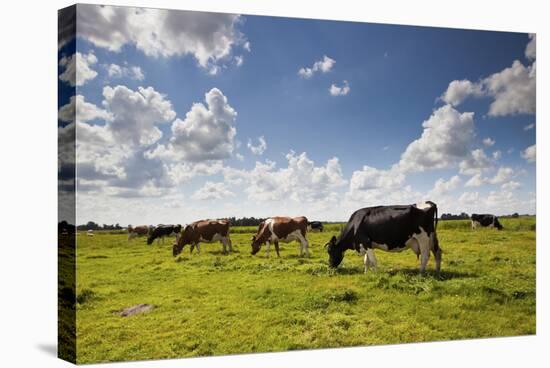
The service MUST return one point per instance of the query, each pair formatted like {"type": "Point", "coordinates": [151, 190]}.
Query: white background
{"type": "Point", "coordinates": [28, 167]}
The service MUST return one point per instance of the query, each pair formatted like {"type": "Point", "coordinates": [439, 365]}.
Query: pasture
{"type": "Point", "coordinates": [215, 304]}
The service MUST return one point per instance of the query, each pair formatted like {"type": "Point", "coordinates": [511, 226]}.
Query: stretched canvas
{"type": "Point", "coordinates": [234, 184]}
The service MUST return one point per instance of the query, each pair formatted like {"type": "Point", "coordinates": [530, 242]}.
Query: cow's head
{"type": "Point", "coordinates": [150, 239]}
{"type": "Point", "coordinates": [335, 252]}
{"type": "Point", "coordinates": [180, 242]}
{"type": "Point", "coordinates": [498, 225]}
{"type": "Point", "coordinates": [256, 244]}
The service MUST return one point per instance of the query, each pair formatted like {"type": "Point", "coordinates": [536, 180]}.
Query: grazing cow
{"type": "Point", "coordinates": [390, 228]}
{"type": "Point", "coordinates": [485, 221]}
{"type": "Point", "coordinates": [161, 231]}
{"type": "Point", "coordinates": [90, 232]}
{"type": "Point", "coordinates": [316, 226]}
{"type": "Point", "coordinates": [135, 231]}
{"type": "Point", "coordinates": [284, 229]}
{"type": "Point", "coordinates": [206, 231]}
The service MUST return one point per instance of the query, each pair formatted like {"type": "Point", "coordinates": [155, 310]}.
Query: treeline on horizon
{"type": "Point", "coordinates": [254, 221]}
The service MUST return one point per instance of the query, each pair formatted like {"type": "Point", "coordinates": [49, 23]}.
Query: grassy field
{"type": "Point", "coordinates": [213, 304]}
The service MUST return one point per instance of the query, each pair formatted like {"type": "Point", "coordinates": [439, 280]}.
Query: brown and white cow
{"type": "Point", "coordinates": [205, 231]}
{"type": "Point", "coordinates": [284, 229]}
{"type": "Point", "coordinates": [140, 230]}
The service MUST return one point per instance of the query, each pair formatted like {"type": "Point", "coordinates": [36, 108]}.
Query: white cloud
{"type": "Point", "coordinates": [531, 49]}
{"type": "Point", "coordinates": [81, 110]}
{"type": "Point", "coordinates": [475, 162]}
{"type": "Point", "coordinates": [503, 175]}
{"type": "Point", "coordinates": [239, 60]}
{"type": "Point", "coordinates": [489, 142]}
{"type": "Point", "coordinates": [497, 155]}
{"type": "Point", "coordinates": [511, 185]}
{"type": "Point", "coordinates": [239, 157]}
{"type": "Point", "coordinates": [136, 114]}
{"type": "Point", "coordinates": [324, 66]}
{"type": "Point", "coordinates": [78, 68]}
{"type": "Point", "coordinates": [339, 91]}
{"type": "Point", "coordinates": [118, 71]}
{"type": "Point", "coordinates": [369, 178]}
{"type": "Point", "coordinates": [513, 89]}
{"type": "Point", "coordinates": [442, 187]}
{"type": "Point", "coordinates": [459, 90]}
{"type": "Point", "coordinates": [445, 140]}
{"type": "Point", "coordinates": [530, 153]}
{"type": "Point", "coordinates": [260, 148]}
{"type": "Point", "coordinates": [529, 126]}
{"type": "Point", "coordinates": [209, 37]}
{"type": "Point", "coordinates": [301, 181]}
{"type": "Point", "coordinates": [211, 191]}
{"type": "Point", "coordinates": [206, 133]}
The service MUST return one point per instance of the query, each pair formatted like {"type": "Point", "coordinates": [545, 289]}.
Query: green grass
{"type": "Point", "coordinates": [212, 304]}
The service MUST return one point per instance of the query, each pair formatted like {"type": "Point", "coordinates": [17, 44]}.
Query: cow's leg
{"type": "Point", "coordinates": [304, 246]}
{"type": "Point", "coordinates": [372, 258]}
{"type": "Point", "coordinates": [224, 245]}
{"type": "Point", "coordinates": [424, 243]}
{"type": "Point", "coordinates": [198, 248]}
{"type": "Point", "coordinates": [437, 253]}
{"type": "Point", "coordinates": [267, 245]}
{"type": "Point", "coordinates": [366, 261]}
{"type": "Point", "coordinates": [230, 244]}
{"type": "Point", "coordinates": [191, 247]}
{"type": "Point", "coordinates": [276, 243]}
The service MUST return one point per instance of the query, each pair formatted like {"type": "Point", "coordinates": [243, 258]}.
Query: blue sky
{"type": "Point", "coordinates": [325, 155]}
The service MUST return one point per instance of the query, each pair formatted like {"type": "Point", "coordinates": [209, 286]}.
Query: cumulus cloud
{"type": "Point", "coordinates": [339, 91]}
{"type": "Point", "coordinates": [300, 181]}
{"type": "Point", "coordinates": [125, 71]}
{"type": "Point", "coordinates": [445, 140]}
{"type": "Point", "coordinates": [513, 89]}
{"type": "Point", "coordinates": [488, 142]}
{"type": "Point", "coordinates": [511, 185]}
{"type": "Point", "coordinates": [497, 155]}
{"type": "Point", "coordinates": [211, 191]}
{"type": "Point", "coordinates": [209, 37]}
{"type": "Point", "coordinates": [260, 148]}
{"type": "Point", "coordinates": [136, 114]}
{"type": "Point", "coordinates": [206, 133]}
{"type": "Point", "coordinates": [475, 163]}
{"type": "Point", "coordinates": [78, 68]}
{"type": "Point", "coordinates": [531, 49]}
{"type": "Point", "coordinates": [459, 90]}
{"type": "Point", "coordinates": [82, 110]}
{"type": "Point", "coordinates": [322, 66]}
{"type": "Point", "coordinates": [530, 153]}
{"type": "Point", "coordinates": [503, 175]}
{"type": "Point", "coordinates": [442, 187]}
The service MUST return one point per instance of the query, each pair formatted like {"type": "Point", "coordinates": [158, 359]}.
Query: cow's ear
{"type": "Point", "coordinates": [333, 239]}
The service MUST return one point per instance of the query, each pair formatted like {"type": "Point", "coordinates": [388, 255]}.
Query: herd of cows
{"type": "Point", "coordinates": [389, 228]}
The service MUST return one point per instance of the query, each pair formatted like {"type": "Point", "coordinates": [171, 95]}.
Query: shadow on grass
{"type": "Point", "coordinates": [442, 275]}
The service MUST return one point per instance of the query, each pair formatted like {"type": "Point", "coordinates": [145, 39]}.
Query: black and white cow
{"type": "Point", "coordinates": [390, 228]}
{"type": "Point", "coordinates": [316, 226]}
{"type": "Point", "coordinates": [485, 220]}
{"type": "Point", "coordinates": [161, 231]}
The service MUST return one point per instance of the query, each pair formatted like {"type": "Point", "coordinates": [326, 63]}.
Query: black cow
{"type": "Point", "coordinates": [161, 231]}
{"type": "Point", "coordinates": [390, 228]}
{"type": "Point", "coordinates": [316, 225]}
{"type": "Point", "coordinates": [485, 220]}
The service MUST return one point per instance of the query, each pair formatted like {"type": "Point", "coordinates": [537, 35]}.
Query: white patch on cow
{"type": "Point", "coordinates": [295, 235]}
{"type": "Point", "coordinates": [225, 240]}
{"type": "Point", "coordinates": [370, 259]}
{"type": "Point", "coordinates": [423, 205]}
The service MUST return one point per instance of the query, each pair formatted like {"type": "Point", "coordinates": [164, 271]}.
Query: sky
{"type": "Point", "coordinates": [181, 116]}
